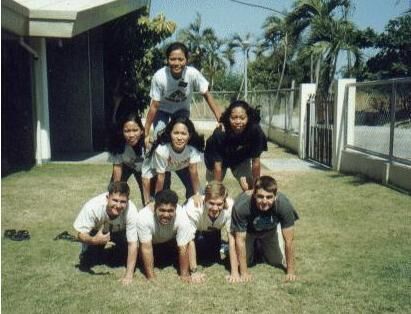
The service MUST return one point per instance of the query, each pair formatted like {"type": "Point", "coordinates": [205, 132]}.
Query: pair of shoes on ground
{"type": "Point", "coordinates": [15, 235]}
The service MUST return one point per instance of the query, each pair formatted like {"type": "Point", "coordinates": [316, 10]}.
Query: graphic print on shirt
{"type": "Point", "coordinates": [178, 164]}
{"type": "Point", "coordinates": [264, 223]}
{"type": "Point", "coordinates": [176, 96]}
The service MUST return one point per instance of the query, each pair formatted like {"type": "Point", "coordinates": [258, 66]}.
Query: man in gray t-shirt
{"type": "Point", "coordinates": [255, 219]}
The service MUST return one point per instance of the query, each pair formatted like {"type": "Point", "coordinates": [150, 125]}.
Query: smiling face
{"type": "Point", "coordinates": [214, 206]}
{"type": "Point", "coordinates": [132, 133]}
{"type": "Point", "coordinates": [238, 119]}
{"type": "Point", "coordinates": [177, 62]}
{"type": "Point", "coordinates": [179, 137]}
{"type": "Point", "coordinates": [165, 213]}
{"type": "Point", "coordinates": [264, 200]}
{"type": "Point", "coordinates": [116, 203]}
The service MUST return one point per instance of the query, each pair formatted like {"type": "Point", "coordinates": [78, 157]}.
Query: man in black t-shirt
{"type": "Point", "coordinates": [255, 218]}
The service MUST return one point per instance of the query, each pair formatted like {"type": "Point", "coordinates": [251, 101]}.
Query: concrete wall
{"type": "Point", "coordinates": [375, 168]}
{"type": "Point", "coordinates": [285, 139]}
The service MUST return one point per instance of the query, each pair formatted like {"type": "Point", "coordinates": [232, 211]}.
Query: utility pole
{"type": "Point", "coordinates": [246, 48]}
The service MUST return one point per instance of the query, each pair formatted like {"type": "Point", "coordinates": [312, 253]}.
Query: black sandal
{"type": "Point", "coordinates": [9, 233]}
{"type": "Point", "coordinates": [66, 236]}
{"type": "Point", "coordinates": [21, 235]}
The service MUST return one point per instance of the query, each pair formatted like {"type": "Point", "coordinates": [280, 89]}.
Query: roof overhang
{"type": "Point", "coordinates": [62, 18]}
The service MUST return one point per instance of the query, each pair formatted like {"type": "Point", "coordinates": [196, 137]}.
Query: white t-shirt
{"type": "Point", "coordinates": [199, 216]}
{"type": "Point", "coordinates": [175, 94]}
{"type": "Point", "coordinates": [129, 158]}
{"type": "Point", "coordinates": [93, 215]}
{"type": "Point", "coordinates": [149, 229]}
{"type": "Point", "coordinates": [165, 159]}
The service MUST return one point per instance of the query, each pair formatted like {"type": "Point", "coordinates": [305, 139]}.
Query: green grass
{"type": "Point", "coordinates": [353, 248]}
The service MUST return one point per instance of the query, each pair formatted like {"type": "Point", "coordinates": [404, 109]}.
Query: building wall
{"type": "Point", "coordinates": [76, 94]}
{"type": "Point", "coordinates": [17, 136]}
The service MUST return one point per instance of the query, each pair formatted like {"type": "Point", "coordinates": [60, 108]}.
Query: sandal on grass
{"type": "Point", "coordinates": [14, 235]}
{"type": "Point", "coordinates": [9, 233]}
{"type": "Point", "coordinates": [66, 236]}
{"type": "Point", "coordinates": [21, 235]}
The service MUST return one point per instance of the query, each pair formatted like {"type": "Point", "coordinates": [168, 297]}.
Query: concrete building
{"type": "Point", "coordinates": [53, 93]}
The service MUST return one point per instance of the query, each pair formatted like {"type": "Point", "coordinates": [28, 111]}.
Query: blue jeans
{"type": "Point", "coordinates": [162, 118]}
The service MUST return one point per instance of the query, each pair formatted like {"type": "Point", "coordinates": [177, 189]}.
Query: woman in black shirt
{"type": "Point", "coordinates": [237, 147]}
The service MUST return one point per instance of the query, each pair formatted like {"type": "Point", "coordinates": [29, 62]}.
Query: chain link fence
{"type": "Point", "coordinates": [382, 123]}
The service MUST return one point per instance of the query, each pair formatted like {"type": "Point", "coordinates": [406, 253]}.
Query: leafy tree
{"type": "Point", "coordinates": [131, 57]}
{"type": "Point", "coordinates": [227, 81]}
{"type": "Point", "coordinates": [394, 57]}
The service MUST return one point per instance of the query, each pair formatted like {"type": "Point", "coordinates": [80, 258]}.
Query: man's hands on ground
{"type": "Point", "coordinates": [290, 277]}
{"type": "Point", "coordinates": [233, 278]}
{"type": "Point", "coordinates": [198, 277]}
{"type": "Point", "coordinates": [246, 277]}
{"type": "Point", "coordinates": [126, 281]}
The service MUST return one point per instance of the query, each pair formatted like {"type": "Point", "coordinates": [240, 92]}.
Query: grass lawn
{"type": "Point", "coordinates": [353, 248]}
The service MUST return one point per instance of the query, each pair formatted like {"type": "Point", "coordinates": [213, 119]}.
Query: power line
{"type": "Point", "coordinates": [258, 6]}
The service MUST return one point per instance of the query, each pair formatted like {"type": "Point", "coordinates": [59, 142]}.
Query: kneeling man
{"type": "Point", "coordinates": [109, 217]}
{"type": "Point", "coordinates": [168, 223]}
{"type": "Point", "coordinates": [254, 221]}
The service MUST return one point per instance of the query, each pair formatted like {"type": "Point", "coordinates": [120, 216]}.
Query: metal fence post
{"type": "Point", "coordinates": [392, 120]}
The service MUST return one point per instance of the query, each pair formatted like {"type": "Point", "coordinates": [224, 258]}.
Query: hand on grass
{"type": "Point", "coordinates": [197, 278]}
{"type": "Point", "coordinates": [186, 278]}
{"type": "Point", "coordinates": [233, 278]}
{"type": "Point", "coordinates": [126, 281]}
{"type": "Point", "coordinates": [290, 277]}
{"type": "Point", "coordinates": [246, 277]}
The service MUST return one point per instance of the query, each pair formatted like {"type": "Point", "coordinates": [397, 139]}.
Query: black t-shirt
{"type": "Point", "coordinates": [232, 149]}
{"type": "Point", "coordinates": [247, 218]}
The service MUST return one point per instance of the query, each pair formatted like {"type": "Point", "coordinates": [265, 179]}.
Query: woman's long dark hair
{"type": "Point", "coordinates": [196, 140]}
{"type": "Point", "coordinates": [252, 113]}
{"type": "Point", "coordinates": [118, 141]}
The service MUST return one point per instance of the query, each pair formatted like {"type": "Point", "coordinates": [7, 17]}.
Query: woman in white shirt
{"type": "Point", "coordinates": [178, 148]}
{"type": "Point", "coordinates": [172, 89]}
{"type": "Point", "coordinates": [127, 153]}
{"type": "Point", "coordinates": [209, 219]}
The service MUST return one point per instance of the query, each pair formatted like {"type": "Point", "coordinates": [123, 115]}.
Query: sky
{"type": "Point", "coordinates": [227, 17]}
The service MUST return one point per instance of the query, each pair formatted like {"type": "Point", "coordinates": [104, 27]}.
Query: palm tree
{"type": "Point", "coordinates": [214, 57]}
{"type": "Point", "coordinates": [193, 37]}
{"type": "Point", "coordinates": [330, 38]}
{"type": "Point", "coordinates": [246, 44]}
{"type": "Point", "coordinates": [316, 17]}
{"type": "Point", "coordinates": [207, 52]}
{"type": "Point", "coordinates": [280, 39]}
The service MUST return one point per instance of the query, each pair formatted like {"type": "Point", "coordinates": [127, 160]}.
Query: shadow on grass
{"type": "Point", "coordinates": [355, 180]}
{"type": "Point", "coordinates": [9, 170]}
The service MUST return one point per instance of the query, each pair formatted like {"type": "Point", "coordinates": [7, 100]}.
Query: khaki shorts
{"type": "Point", "coordinates": [241, 170]}
{"type": "Point", "coordinates": [271, 247]}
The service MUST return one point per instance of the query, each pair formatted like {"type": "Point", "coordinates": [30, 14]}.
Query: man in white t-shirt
{"type": "Point", "coordinates": [107, 219]}
{"type": "Point", "coordinates": [168, 223]}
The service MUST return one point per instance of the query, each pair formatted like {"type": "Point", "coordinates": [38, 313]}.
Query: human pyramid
{"type": "Point", "coordinates": [259, 223]}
